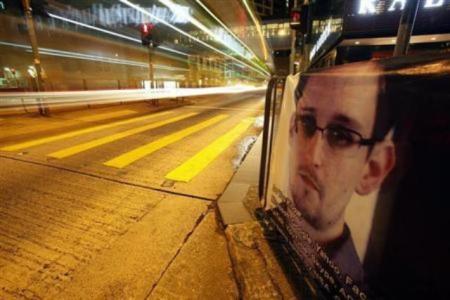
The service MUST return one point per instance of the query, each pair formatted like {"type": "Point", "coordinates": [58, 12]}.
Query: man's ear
{"type": "Point", "coordinates": [378, 165]}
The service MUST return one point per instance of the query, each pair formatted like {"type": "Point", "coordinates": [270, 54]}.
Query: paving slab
{"type": "Point", "coordinates": [65, 235]}
{"type": "Point", "coordinates": [203, 268]}
{"type": "Point", "coordinates": [133, 264]}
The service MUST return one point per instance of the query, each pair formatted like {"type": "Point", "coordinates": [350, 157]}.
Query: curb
{"type": "Point", "coordinates": [231, 203]}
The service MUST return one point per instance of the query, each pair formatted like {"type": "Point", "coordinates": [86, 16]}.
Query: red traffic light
{"type": "Point", "coordinates": [299, 19]}
{"type": "Point", "coordinates": [146, 28]}
{"type": "Point", "coordinates": [295, 17]}
{"type": "Point", "coordinates": [151, 35]}
{"type": "Point", "coordinates": [146, 33]}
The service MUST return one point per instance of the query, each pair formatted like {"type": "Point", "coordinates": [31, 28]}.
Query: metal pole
{"type": "Point", "coordinates": [405, 27]}
{"type": "Point", "coordinates": [306, 44]}
{"type": "Point", "coordinates": [292, 54]}
{"type": "Point", "coordinates": [15, 80]}
{"type": "Point", "coordinates": [150, 66]}
{"type": "Point", "coordinates": [35, 49]}
{"type": "Point", "coordinates": [265, 140]}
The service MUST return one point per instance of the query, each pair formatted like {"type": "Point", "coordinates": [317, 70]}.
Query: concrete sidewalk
{"type": "Point", "coordinates": [259, 274]}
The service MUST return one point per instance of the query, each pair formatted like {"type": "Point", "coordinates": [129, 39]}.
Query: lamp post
{"type": "Point", "coordinates": [150, 67]}
{"type": "Point", "coordinates": [35, 50]}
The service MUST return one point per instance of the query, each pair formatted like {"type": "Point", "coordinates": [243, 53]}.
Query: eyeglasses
{"type": "Point", "coordinates": [339, 139]}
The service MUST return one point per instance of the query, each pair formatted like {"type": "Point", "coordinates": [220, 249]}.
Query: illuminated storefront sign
{"type": "Point", "coordinates": [380, 18]}
{"type": "Point", "coordinates": [369, 7]}
{"type": "Point", "coordinates": [117, 15]}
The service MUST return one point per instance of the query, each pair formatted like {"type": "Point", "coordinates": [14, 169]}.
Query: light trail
{"type": "Point", "coordinates": [177, 11]}
{"type": "Point", "coordinates": [138, 8]}
{"type": "Point", "coordinates": [77, 55]}
{"type": "Point", "coordinates": [30, 99]}
{"type": "Point", "coordinates": [258, 28]}
{"type": "Point", "coordinates": [113, 33]}
{"type": "Point", "coordinates": [135, 39]}
{"type": "Point", "coordinates": [225, 26]}
{"type": "Point", "coordinates": [229, 31]}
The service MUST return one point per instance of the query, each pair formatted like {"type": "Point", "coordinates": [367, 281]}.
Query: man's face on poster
{"type": "Point", "coordinates": [331, 139]}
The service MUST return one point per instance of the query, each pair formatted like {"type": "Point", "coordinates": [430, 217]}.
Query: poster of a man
{"type": "Point", "coordinates": [340, 145]}
{"type": "Point", "coordinates": [377, 133]}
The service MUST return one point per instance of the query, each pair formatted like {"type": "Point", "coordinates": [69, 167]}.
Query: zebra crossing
{"type": "Point", "coordinates": [185, 172]}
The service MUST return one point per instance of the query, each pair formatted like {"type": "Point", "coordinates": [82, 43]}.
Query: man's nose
{"type": "Point", "coordinates": [314, 149]}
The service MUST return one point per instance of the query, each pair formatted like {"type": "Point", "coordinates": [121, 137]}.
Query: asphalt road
{"type": "Point", "coordinates": [88, 209]}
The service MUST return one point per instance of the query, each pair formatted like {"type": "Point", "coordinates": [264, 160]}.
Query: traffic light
{"type": "Point", "coordinates": [295, 18]}
{"type": "Point", "coordinates": [299, 19]}
{"type": "Point", "coordinates": [146, 33]}
{"type": "Point", "coordinates": [151, 34]}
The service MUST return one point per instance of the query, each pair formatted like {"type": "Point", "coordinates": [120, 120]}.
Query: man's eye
{"type": "Point", "coordinates": [338, 137]}
{"type": "Point", "coordinates": [308, 125]}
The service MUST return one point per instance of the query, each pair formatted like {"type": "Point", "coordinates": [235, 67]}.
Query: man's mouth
{"type": "Point", "coordinates": [309, 180]}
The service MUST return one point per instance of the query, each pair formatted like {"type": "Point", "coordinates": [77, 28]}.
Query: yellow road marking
{"type": "Point", "coordinates": [108, 115]}
{"type": "Point", "coordinates": [193, 166]}
{"type": "Point", "coordinates": [138, 153]}
{"type": "Point", "coordinates": [58, 137]}
{"type": "Point", "coordinates": [111, 138]}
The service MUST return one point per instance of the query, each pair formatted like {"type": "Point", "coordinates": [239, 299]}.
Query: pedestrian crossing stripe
{"type": "Point", "coordinates": [193, 166]}
{"type": "Point", "coordinates": [138, 153]}
{"type": "Point", "coordinates": [114, 137]}
{"type": "Point", "coordinates": [75, 133]}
